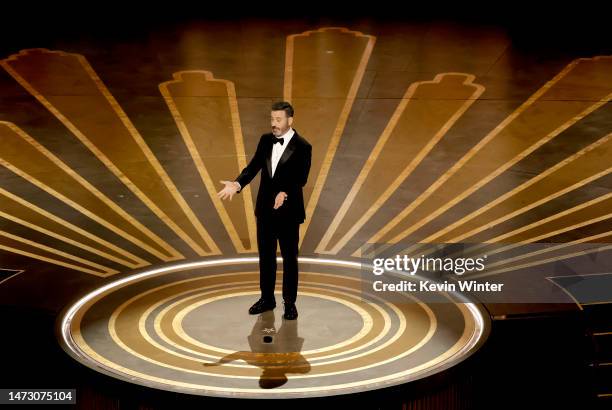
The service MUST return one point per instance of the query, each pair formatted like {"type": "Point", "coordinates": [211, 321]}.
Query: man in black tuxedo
{"type": "Point", "coordinates": [284, 157]}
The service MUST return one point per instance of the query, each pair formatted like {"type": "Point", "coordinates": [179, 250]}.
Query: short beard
{"type": "Point", "coordinates": [280, 131]}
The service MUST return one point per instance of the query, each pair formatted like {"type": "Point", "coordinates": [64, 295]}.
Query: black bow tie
{"type": "Point", "coordinates": [281, 140]}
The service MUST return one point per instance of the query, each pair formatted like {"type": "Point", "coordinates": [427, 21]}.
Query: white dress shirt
{"type": "Point", "coordinates": [277, 151]}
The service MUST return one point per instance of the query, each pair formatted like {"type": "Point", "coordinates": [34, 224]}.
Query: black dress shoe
{"type": "Point", "coordinates": [290, 311]}
{"type": "Point", "coordinates": [261, 305]}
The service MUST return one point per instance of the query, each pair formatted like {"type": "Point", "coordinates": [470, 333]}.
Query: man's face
{"type": "Point", "coordinates": [280, 122]}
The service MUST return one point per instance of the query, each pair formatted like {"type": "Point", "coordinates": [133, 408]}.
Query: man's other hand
{"type": "Point", "coordinates": [280, 199]}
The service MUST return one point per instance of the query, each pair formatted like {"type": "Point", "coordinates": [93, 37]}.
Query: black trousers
{"type": "Point", "coordinates": [269, 231]}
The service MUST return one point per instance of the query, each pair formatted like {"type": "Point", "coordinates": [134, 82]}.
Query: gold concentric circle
{"type": "Point", "coordinates": [183, 329]}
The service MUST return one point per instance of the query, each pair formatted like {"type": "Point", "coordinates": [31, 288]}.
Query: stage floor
{"type": "Point", "coordinates": [186, 328]}
{"type": "Point", "coordinates": [112, 149]}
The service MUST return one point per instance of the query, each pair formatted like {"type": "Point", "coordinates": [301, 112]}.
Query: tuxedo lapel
{"type": "Point", "coordinates": [269, 159]}
{"type": "Point", "coordinates": [287, 152]}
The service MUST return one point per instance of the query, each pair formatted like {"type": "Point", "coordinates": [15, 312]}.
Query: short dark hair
{"type": "Point", "coordinates": [283, 106]}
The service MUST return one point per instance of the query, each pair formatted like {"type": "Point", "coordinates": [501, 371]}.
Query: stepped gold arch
{"type": "Point", "coordinates": [441, 102]}
{"type": "Point", "coordinates": [346, 64]}
{"type": "Point", "coordinates": [586, 213]}
{"type": "Point", "coordinates": [605, 237]}
{"type": "Point", "coordinates": [133, 163]}
{"type": "Point", "coordinates": [24, 156]}
{"type": "Point", "coordinates": [527, 255]}
{"type": "Point", "coordinates": [22, 246]}
{"type": "Point", "coordinates": [194, 98]}
{"type": "Point", "coordinates": [29, 215]}
{"type": "Point", "coordinates": [573, 172]}
{"type": "Point", "coordinates": [599, 204]}
{"type": "Point", "coordinates": [602, 239]}
{"type": "Point", "coordinates": [579, 89]}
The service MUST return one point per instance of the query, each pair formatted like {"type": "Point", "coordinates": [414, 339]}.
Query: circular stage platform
{"type": "Point", "coordinates": [186, 328]}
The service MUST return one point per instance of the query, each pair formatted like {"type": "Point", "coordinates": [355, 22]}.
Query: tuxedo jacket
{"type": "Point", "coordinates": [290, 176]}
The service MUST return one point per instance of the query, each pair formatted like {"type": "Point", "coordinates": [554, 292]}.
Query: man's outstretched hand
{"type": "Point", "coordinates": [280, 199]}
{"type": "Point", "coordinates": [230, 189]}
